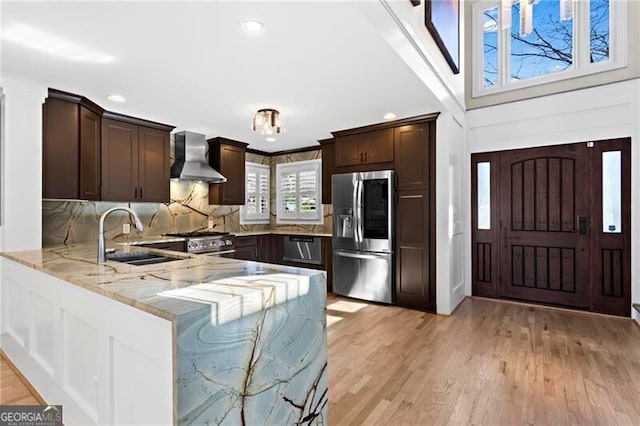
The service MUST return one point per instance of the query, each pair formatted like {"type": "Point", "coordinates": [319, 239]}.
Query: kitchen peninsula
{"type": "Point", "coordinates": [201, 339]}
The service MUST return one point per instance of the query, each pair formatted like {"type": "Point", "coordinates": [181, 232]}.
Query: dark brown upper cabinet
{"type": "Point", "coordinates": [93, 154]}
{"type": "Point", "coordinates": [70, 147]}
{"type": "Point", "coordinates": [412, 144]}
{"type": "Point", "coordinates": [228, 157]}
{"type": "Point", "coordinates": [364, 148]}
{"type": "Point", "coordinates": [135, 162]}
{"type": "Point", "coordinates": [328, 166]}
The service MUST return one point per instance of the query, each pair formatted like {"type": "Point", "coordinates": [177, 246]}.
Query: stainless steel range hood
{"type": "Point", "coordinates": [191, 162]}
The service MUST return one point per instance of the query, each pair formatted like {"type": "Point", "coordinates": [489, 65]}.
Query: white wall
{"type": "Point", "coordinates": [603, 112]}
{"type": "Point", "coordinates": [450, 229]}
{"type": "Point", "coordinates": [21, 166]}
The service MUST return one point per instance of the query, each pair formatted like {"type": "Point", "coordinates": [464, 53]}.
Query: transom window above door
{"type": "Point", "coordinates": [522, 43]}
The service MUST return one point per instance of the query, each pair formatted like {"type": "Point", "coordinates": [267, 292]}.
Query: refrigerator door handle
{"type": "Point", "coordinates": [359, 210]}
{"type": "Point", "coordinates": [361, 256]}
{"type": "Point", "coordinates": [355, 208]}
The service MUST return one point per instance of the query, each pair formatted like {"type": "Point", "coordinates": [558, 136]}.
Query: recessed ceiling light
{"type": "Point", "coordinates": [389, 116]}
{"type": "Point", "coordinates": [270, 139]}
{"type": "Point", "coordinates": [116, 98]}
{"type": "Point", "coordinates": [251, 26]}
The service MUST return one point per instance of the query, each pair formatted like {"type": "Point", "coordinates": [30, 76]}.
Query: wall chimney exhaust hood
{"type": "Point", "coordinates": [191, 162]}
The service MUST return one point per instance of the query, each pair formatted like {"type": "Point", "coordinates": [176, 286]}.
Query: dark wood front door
{"type": "Point", "coordinates": [542, 194]}
{"type": "Point", "coordinates": [561, 226]}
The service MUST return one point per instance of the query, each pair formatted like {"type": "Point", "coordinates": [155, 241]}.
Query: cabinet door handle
{"type": "Point", "coordinates": [365, 156]}
{"type": "Point", "coordinates": [135, 193]}
{"type": "Point", "coordinates": [141, 193]}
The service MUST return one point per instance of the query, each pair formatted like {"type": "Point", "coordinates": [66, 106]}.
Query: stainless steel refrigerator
{"type": "Point", "coordinates": [363, 235]}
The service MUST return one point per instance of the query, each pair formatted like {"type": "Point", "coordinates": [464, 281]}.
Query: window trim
{"type": "Point", "coordinates": [618, 33]}
{"type": "Point", "coordinates": [297, 167]}
{"type": "Point", "coordinates": [257, 218]}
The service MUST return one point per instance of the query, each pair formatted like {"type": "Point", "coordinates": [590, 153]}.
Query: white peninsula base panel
{"type": "Point", "coordinates": [104, 361]}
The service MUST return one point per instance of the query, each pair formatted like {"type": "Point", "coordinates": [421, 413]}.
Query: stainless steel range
{"type": "Point", "coordinates": [208, 242]}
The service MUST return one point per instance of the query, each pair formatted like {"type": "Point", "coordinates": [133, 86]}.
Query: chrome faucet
{"type": "Point", "coordinates": [102, 252]}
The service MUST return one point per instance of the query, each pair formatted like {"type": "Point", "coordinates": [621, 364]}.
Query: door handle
{"type": "Point", "coordinates": [141, 193]}
{"type": "Point", "coordinates": [135, 193]}
{"type": "Point", "coordinates": [359, 210]}
{"type": "Point", "coordinates": [583, 225]}
{"type": "Point", "coordinates": [368, 256]}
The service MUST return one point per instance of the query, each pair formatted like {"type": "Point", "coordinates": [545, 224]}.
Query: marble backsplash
{"type": "Point", "coordinates": [69, 222]}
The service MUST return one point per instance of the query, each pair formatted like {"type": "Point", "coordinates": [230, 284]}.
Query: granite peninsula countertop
{"type": "Point", "coordinates": [170, 289]}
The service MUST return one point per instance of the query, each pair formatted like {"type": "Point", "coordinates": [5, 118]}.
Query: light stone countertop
{"type": "Point", "coordinates": [169, 289]}
{"type": "Point", "coordinates": [148, 240]}
{"type": "Point", "coordinates": [282, 232]}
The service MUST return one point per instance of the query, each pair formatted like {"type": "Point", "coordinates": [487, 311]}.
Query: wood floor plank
{"type": "Point", "coordinates": [13, 389]}
{"type": "Point", "coordinates": [490, 363]}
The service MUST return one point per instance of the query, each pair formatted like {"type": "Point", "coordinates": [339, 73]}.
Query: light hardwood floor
{"type": "Point", "coordinates": [491, 363]}
{"type": "Point", "coordinates": [12, 389]}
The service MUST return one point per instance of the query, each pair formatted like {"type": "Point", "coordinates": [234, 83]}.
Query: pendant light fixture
{"type": "Point", "coordinates": [267, 121]}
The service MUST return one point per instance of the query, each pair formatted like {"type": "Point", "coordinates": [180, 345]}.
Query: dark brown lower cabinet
{"type": "Point", "coordinates": [327, 258]}
{"type": "Point", "coordinates": [246, 248]}
{"type": "Point", "coordinates": [270, 248]}
{"type": "Point", "coordinates": [415, 269]}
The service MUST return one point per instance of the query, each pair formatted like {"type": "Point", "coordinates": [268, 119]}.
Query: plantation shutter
{"type": "Point", "coordinates": [256, 207]}
{"type": "Point", "coordinates": [299, 189]}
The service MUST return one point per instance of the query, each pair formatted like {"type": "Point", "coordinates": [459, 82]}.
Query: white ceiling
{"type": "Point", "coordinates": [189, 64]}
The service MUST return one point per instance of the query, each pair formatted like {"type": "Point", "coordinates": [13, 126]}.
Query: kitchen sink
{"type": "Point", "coordinates": [141, 258]}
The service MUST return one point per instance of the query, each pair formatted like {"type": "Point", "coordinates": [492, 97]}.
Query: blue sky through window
{"type": "Point", "coordinates": [547, 49]}
{"type": "Point", "coordinates": [599, 30]}
{"type": "Point", "coordinates": [490, 42]}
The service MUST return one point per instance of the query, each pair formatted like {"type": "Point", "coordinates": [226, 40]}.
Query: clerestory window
{"type": "Point", "coordinates": [521, 43]}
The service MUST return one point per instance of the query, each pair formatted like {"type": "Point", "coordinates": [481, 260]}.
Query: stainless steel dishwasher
{"type": "Point", "coordinates": [302, 249]}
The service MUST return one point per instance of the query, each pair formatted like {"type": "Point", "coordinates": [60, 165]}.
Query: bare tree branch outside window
{"type": "Point", "coordinates": [549, 48]}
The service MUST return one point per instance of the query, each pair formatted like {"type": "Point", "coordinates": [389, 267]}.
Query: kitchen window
{"type": "Point", "coordinates": [256, 203]}
{"type": "Point", "coordinates": [523, 43]}
{"type": "Point", "coordinates": [299, 192]}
